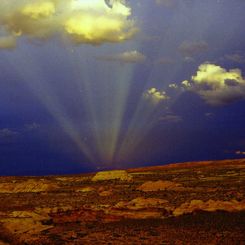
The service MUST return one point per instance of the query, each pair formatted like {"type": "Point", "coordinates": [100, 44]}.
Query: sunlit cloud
{"type": "Point", "coordinates": [186, 84]}
{"type": "Point", "coordinates": [173, 86]}
{"type": "Point", "coordinates": [38, 10]}
{"type": "Point", "coordinates": [216, 85]}
{"type": "Point", "coordinates": [125, 57]}
{"type": "Point", "coordinates": [8, 42]}
{"type": "Point", "coordinates": [155, 96]}
{"type": "Point", "coordinates": [91, 22]}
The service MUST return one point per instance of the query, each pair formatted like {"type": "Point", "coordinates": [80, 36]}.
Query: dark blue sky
{"type": "Point", "coordinates": [111, 89]}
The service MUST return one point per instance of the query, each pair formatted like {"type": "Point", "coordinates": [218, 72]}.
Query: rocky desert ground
{"type": "Point", "coordinates": [188, 203]}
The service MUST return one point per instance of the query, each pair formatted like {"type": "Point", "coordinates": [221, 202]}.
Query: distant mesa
{"type": "Point", "coordinates": [112, 175]}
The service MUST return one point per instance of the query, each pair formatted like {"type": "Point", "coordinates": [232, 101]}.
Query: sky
{"type": "Point", "coordinates": [108, 84]}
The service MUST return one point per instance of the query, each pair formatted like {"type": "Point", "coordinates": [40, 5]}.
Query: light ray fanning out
{"type": "Point", "coordinates": [101, 87]}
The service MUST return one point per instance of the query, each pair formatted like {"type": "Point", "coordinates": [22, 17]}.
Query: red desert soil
{"type": "Point", "coordinates": [189, 203]}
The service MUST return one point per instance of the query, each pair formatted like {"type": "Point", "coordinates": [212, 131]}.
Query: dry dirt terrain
{"type": "Point", "coordinates": [190, 203]}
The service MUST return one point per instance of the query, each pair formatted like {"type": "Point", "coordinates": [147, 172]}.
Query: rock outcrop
{"type": "Point", "coordinates": [85, 189]}
{"type": "Point", "coordinates": [159, 186]}
{"type": "Point", "coordinates": [112, 175]}
{"type": "Point", "coordinates": [27, 186]}
{"type": "Point", "coordinates": [142, 203]}
{"type": "Point", "coordinates": [26, 225]}
{"type": "Point", "coordinates": [210, 206]}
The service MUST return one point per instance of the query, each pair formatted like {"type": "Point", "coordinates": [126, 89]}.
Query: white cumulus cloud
{"type": "Point", "coordinates": [216, 85]}
{"type": "Point", "coordinates": [92, 22]}
{"type": "Point", "coordinates": [155, 96]}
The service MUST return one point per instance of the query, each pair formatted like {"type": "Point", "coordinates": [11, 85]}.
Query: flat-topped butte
{"type": "Point", "coordinates": [112, 175]}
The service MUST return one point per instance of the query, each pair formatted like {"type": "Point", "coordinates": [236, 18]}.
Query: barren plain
{"type": "Point", "coordinates": [187, 203]}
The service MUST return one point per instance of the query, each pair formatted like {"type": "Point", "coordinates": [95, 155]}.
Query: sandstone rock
{"type": "Point", "coordinates": [28, 214]}
{"type": "Point", "coordinates": [30, 185]}
{"type": "Point", "coordinates": [112, 175]}
{"type": "Point", "coordinates": [142, 203]}
{"type": "Point", "coordinates": [106, 193]}
{"type": "Point", "coordinates": [52, 210]}
{"type": "Point", "coordinates": [138, 208]}
{"type": "Point", "coordinates": [25, 224]}
{"type": "Point", "coordinates": [85, 189]}
{"type": "Point", "coordinates": [130, 214]}
{"type": "Point", "coordinates": [210, 205]}
{"type": "Point", "coordinates": [159, 185]}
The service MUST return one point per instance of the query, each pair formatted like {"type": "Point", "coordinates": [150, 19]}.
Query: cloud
{"type": "Point", "coordinates": [240, 152]}
{"type": "Point", "coordinates": [155, 96]}
{"type": "Point", "coordinates": [188, 60]}
{"type": "Point", "coordinates": [209, 114]}
{"type": "Point", "coordinates": [8, 42]}
{"type": "Point", "coordinates": [91, 22]}
{"type": "Point", "coordinates": [216, 85]}
{"type": "Point", "coordinates": [236, 58]}
{"type": "Point", "coordinates": [173, 86]}
{"type": "Point", "coordinates": [7, 133]}
{"type": "Point", "coordinates": [32, 126]}
{"type": "Point", "coordinates": [190, 49]}
{"type": "Point", "coordinates": [186, 84]}
{"type": "Point", "coordinates": [171, 118]}
{"type": "Point", "coordinates": [125, 57]}
{"type": "Point", "coordinates": [37, 10]}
